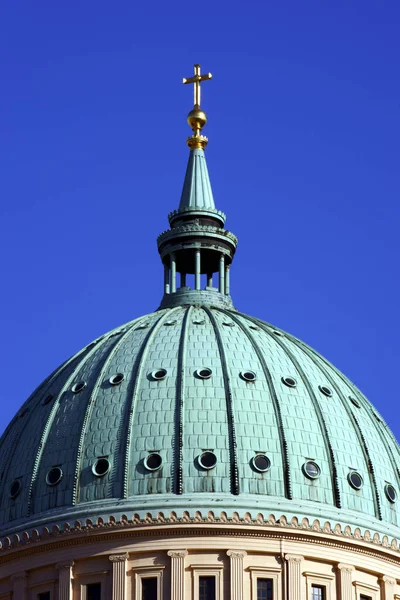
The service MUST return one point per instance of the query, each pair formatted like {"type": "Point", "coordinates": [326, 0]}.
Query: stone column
{"type": "Point", "coordinates": [346, 581]}
{"type": "Point", "coordinates": [183, 280]}
{"type": "Point", "coordinates": [387, 587]}
{"type": "Point", "coordinates": [177, 573]}
{"type": "Point", "coordinates": [118, 575]}
{"type": "Point", "coordinates": [209, 280]}
{"type": "Point", "coordinates": [65, 579]}
{"type": "Point", "coordinates": [294, 579]}
{"type": "Point", "coordinates": [222, 274]}
{"type": "Point", "coordinates": [236, 558]}
{"type": "Point", "coordinates": [197, 270]}
{"type": "Point", "coordinates": [227, 280]}
{"type": "Point", "coordinates": [166, 279]}
{"type": "Point", "coordinates": [173, 274]}
{"type": "Point", "coordinates": [19, 581]}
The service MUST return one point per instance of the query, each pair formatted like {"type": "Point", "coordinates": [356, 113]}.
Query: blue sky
{"type": "Point", "coordinates": [304, 135]}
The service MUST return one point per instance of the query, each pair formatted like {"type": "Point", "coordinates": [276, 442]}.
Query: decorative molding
{"type": "Point", "coordinates": [294, 558]}
{"type": "Point", "coordinates": [118, 557]}
{"type": "Point", "coordinates": [295, 581]}
{"type": "Point", "coordinates": [177, 553]}
{"type": "Point", "coordinates": [346, 568]}
{"type": "Point", "coordinates": [83, 532]}
{"type": "Point", "coordinates": [67, 564]}
{"type": "Point", "coordinates": [18, 576]}
{"type": "Point", "coordinates": [388, 580]}
{"type": "Point", "coordinates": [236, 553]}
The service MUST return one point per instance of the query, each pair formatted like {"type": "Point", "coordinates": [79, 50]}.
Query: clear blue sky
{"type": "Point", "coordinates": [304, 135]}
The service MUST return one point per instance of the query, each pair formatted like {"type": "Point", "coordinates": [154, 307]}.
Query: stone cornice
{"type": "Point", "coordinates": [35, 541]}
{"type": "Point", "coordinates": [119, 557]}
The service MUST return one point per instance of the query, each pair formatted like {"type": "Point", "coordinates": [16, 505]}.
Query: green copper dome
{"type": "Point", "coordinates": [183, 389]}
{"type": "Point", "coordinates": [198, 407]}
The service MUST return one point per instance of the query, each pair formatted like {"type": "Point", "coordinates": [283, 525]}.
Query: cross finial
{"type": "Point", "coordinates": [196, 81]}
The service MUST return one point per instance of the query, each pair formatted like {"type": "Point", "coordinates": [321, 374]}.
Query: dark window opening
{"type": "Point", "coordinates": [363, 597]}
{"type": "Point", "coordinates": [93, 591]}
{"type": "Point", "coordinates": [149, 588]}
{"type": "Point", "coordinates": [264, 589]}
{"type": "Point", "coordinates": [317, 592]}
{"type": "Point", "coordinates": [206, 588]}
{"type": "Point", "coordinates": [44, 596]}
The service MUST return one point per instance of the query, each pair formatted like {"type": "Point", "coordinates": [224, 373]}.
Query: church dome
{"type": "Point", "coordinates": [198, 407]}
{"type": "Point", "coordinates": [197, 452]}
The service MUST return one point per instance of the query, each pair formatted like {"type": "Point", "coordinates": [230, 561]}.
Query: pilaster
{"type": "Point", "coordinates": [346, 581]}
{"type": "Point", "coordinates": [236, 559]}
{"type": "Point", "coordinates": [65, 579]}
{"type": "Point", "coordinates": [177, 573]}
{"type": "Point", "coordinates": [118, 575]}
{"type": "Point", "coordinates": [294, 580]}
{"type": "Point", "coordinates": [387, 587]}
{"type": "Point", "coordinates": [20, 581]}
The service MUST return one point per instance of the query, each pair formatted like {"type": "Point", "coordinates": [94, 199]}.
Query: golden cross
{"type": "Point", "coordinates": [196, 80]}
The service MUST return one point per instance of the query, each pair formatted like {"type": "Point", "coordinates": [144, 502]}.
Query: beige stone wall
{"type": "Point", "coordinates": [294, 563]}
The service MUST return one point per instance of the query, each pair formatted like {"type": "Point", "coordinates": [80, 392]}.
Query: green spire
{"type": "Point", "coordinates": [197, 192]}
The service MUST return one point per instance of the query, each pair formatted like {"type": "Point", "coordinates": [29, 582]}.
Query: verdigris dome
{"type": "Point", "coordinates": [185, 381]}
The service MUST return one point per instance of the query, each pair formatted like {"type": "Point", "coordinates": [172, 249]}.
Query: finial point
{"type": "Point", "coordinates": [197, 118]}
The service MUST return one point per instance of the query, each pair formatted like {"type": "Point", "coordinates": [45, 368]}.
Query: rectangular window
{"type": "Point", "coordinates": [93, 591]}
{"type": "Point", "coordinates": [317, 592]}
{"type": "Point", "coordinates": [44, 596]}
{"type": "Point", "coordinates": [149, 588]}
{"type": "Point", "coordinates": [264, 589]}
{"type": "Point", "coordinates": [207, 588]}
{"type": "Point", "coordinates": [363, 597]}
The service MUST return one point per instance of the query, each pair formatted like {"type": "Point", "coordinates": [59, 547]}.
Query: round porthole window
{"type": "Point", "coordinates": [117, 379]}
{"type": "Point", "coordinates": [261, 463]}
{"type": "Point", "coordinates": [101, 467]}
{"type": "Point", "coordinates": [15, 488]}
{"type": "Point", "coordinates": [289, 381]}
{"type": "Point", "coordinates": [311, 470]}
{"type": "Point", "coordinates": [143, 326]}
{"type": "Point", "coordinates": [47, 399]}
{"type": "Point", "coordinates": [390, 492]}
{"type": "Point", "coordinates": [355, 480]}
{"type": "Point", "coordinates": [54, 476]}
{"type": "Point", "coordinates": [204, 373]}
{"type": "Point", "coordinates": [199, 322]}
{"type": "Point", "coordinates": [354, 401]}
{"type": "Point", "coordinates": [153, 462]}
{"type": "Point", "coordinates": [207, 460]}
{"type": "Point", "coordinates": [228, 324]}
{"type": "Point", "coordinates": [276, 332]}
{"type": "Point", "coordinates": [325, 390]}
{"type": "Point", "coordinates": [78, 387]}
{"type": "Point", "coordinates": [248, 375]}
{"type": "Point", "coordinates": [23, 413]}
{"type": "Point", "coordinates": [170, 323]}
{"type": "Point", "coordinates": [254, 327]}
{"type": "Point", "coordinates": [159, 374]}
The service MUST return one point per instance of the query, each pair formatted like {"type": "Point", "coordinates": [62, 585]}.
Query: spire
{"type": "Point", "coordinates": [197, 243]}
{"type": "Point", "coordinates": [197, 192]}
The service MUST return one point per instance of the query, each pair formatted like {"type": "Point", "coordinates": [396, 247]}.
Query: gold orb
{"type": "Point", "coordinates": [197, 119]}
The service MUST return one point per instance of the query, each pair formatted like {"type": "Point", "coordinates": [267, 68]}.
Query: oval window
{"type": "Point", "coordinates": [117, 379]}
{"type": "Point", "coordinates": [78, 387]}
{"type": "Point", "coordinates": [204, 373]}
{"type": "Point", "coordinates": [390, 492]}
{"type": "Point", "coordinates": [101, 467]}
{"type": "Point", "coordinates": [47, 399]}
{"type": "Point", "coordinates": [15, 488]}
{"type": "Point", "coordinates": [159, 374]}
{"type": "Point", "coordinates": [325, 390]}
{"type": "Point", "coordinates": [153, 462]}
{"type": "Point", "coordinates": [261, 463]}
{"type": "Point", "coordinates": [54, 476]}
{"type": "Point", "coordinates": [354, 401]}
{"type": "Point", "coordinates": [355, 480]}
{"type": "Point", "coordinates": [311, 470]}
{"type": "Point", "coordinates": [289, 381]}
{"type": "Point", "coordinates": [248, 375]}
{"type": "Point", "coordinates": [207, 460]}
